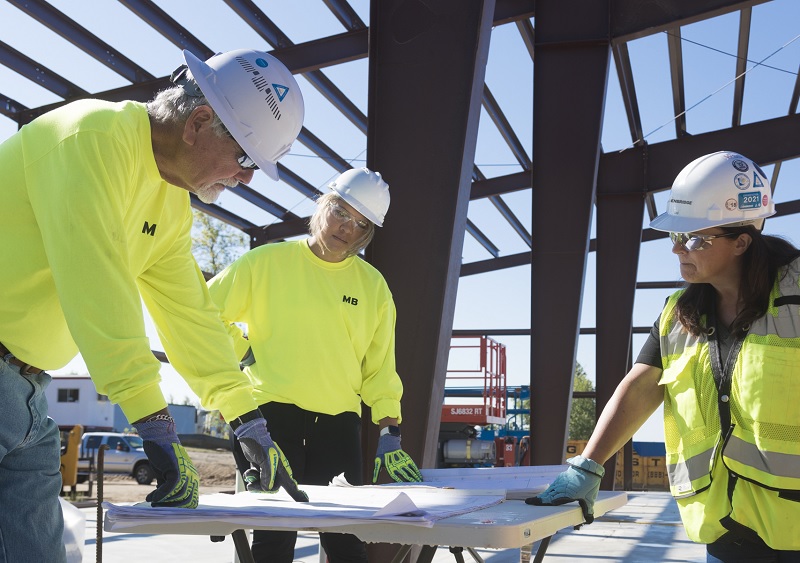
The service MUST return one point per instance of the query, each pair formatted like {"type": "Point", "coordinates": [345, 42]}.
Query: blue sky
{"type": "Point", "coordinates": [497, 300]}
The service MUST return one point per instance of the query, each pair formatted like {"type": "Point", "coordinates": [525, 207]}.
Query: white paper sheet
{"type": "Point", "coordinates": [515, 483]}
{"type": "Point", "coordinates": [329, 506]}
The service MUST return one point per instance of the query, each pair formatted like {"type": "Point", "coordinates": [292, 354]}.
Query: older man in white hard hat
{"type": "Point", "coordinates": [95, 219]}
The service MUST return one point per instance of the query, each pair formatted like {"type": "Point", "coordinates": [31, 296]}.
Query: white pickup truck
{"type": "Point", "coordinates": [124, 456]}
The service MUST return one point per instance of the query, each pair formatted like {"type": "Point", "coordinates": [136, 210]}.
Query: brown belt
{"type": "Point", "coordinates": [24, 369]}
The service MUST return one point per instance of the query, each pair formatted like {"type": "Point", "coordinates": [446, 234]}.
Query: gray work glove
{"type": "Point", "coordinates": [398, 463]}
{"type": "Point", "coordinates": [267, 458]}
{"type": "Point", "coordinates": [580, 482]}
{"type": "Point", "coordinates": [177, 479]}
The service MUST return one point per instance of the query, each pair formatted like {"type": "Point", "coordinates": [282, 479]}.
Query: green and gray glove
{"type": "Point", "coordinates": [178, 484]}
{"type": "Point", "coordinates": [267, 459]}
{"type": "Point", "coordinates": [580, 482]}
{"type": "Point", "coordinates": [398, 463]}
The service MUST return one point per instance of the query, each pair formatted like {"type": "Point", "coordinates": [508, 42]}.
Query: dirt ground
{"type": "Point", "coordinates": [216, 469]}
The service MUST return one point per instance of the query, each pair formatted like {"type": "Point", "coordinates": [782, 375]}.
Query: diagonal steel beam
{"type": "Point", "coordinates": [345, 14]}
{"type": "Point", "coordinates": [38, 73]}
{"type": "Point", "coordinates": [10, 107]}
{"type": "Point", "coordinates": [482, 239]}
{"type": "Point", "coordinates": [222, 214]}
{"type": "Point", "coordinates": [82, 38]}
{"type": "Point", "coordinates": [163, 23]}
{"type": "Point", "coordinates": [262, 202]}
{"type": "Point", "coordinates": [504, 127]}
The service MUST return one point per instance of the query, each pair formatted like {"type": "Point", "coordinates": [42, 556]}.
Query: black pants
{"type": "Point", "coordinates": [318, 447]}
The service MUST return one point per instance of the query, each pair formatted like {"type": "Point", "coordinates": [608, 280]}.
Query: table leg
{"type": "Point", "coordinates": [475, 555]}
{"type": "Point", "coordinates": [426, 553]}
{"type": "Point", "coordinates": [542, 549]}
{"type": "Point", "coordinates": [458, 554]}
{"type": "Point", "coordinates": [401, 554]}
{"type": "Point", "coordinates": [242, 546]}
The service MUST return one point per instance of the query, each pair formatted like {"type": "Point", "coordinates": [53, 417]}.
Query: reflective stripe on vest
{"type": "Point", "coordinates": [690, 476]}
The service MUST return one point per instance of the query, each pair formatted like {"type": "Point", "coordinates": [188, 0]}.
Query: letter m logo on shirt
{"type": "Point", "coordinates": [147, 229]}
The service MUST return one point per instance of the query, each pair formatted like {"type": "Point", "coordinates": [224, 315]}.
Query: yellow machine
{"type": "Point", "coordinates": [70, 451]}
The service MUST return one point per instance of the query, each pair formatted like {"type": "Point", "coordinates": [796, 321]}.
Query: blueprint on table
{"type": "Point", "coordinates": [328, 506]}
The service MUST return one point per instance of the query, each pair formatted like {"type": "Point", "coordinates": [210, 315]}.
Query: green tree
{"type": "Point", "coordinates": [215, 244]}
{"type": "Point", "coordinates": [582, 416]}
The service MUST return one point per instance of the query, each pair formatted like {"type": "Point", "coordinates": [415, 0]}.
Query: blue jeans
{"type": "Point", "coordinates": [722, 551]}
{"type": "Point", "coordinates": [31, 524]}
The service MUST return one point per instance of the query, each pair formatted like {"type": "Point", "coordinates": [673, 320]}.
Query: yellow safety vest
{"type": "Point", "coordinates": [762, 451]}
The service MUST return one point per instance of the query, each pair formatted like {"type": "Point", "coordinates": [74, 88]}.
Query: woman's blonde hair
{"type": "Point", "coordinates": [318, 220]}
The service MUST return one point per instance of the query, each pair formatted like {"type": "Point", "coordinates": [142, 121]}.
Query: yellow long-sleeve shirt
{"type": "Point", "coordinates": [89, 230]}
{"type": "Point", "coordinates": [322, 333]}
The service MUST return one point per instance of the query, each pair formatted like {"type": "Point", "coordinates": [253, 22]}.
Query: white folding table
{"type": "Point", "coordinates": [510, 524]}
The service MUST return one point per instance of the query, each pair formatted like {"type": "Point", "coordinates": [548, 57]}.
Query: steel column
{"type": "Point", "coordinates": [427, 63]}
{"type": "Point", "coordinates": [619, 233]}
{"type": "Point", "coordinates": [569, 85]}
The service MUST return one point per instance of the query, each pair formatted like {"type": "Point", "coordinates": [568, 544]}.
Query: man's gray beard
{"type": "Point", "coordinates": [209, 193]}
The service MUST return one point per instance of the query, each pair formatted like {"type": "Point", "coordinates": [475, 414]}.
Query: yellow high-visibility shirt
{"type": "Point", "coordinates": [89, 230]}
{"type": "Point", "coordinates": [322, 333]}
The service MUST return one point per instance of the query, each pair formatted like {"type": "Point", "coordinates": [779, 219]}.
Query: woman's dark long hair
{"type": "Point", "coordinates": [760, 265]}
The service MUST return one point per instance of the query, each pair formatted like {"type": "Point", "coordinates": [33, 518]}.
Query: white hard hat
{"type": "Point", "coordinates": [257, 99]}
{"type": "Point", "coordinates": [719, 189]}
{"type": "Point", "coordinates": [365, 191]}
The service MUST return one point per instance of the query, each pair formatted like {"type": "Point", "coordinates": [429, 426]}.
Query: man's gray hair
{"type": "Point", "coordinates": [174, 106]}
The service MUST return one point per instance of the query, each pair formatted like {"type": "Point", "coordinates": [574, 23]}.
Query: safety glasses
{"type": "Point", "coordinates": [343, 215]}
{"type": "Point", "coordinates": [692, 241]}
{"type": "Point", "coordinates": [247, 163]}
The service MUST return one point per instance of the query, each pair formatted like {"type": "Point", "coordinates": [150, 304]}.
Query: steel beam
{"type": "Point", "coordinates": [675, 49]}
{"type": "Point", "coordinates": [653, 167]}
{"type": "Point", "coordinates": [572, 55]}
{"type": "Point", "coordinates": [631, 19]}
{"type": "Point", "coordinates": [745, 18]}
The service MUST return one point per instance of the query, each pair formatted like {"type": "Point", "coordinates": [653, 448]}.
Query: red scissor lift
{"type": "Point", "coordinates": [485, 386]}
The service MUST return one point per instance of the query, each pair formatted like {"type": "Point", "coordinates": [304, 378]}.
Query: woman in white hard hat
{"type": "Point", "coordinates": [724, 358]}
{"type": "Point", "coordinates": [320, 339]}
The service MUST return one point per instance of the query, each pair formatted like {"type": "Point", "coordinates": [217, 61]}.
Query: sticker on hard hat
{"type": "Point", "coordinates": [740, 165]}
{"type": "Point", "coordinates": [730, 204]}
{"type": "Point", "coordinates": [765, 200]}
{"type": "Point", "coordinates": [280, 91]}
{"type": "Point", "coordinates": [750, 200]}
{"type": "Point", "coordinates": [741, 181]}
{"type": "Point", "coordinates": [757, 183]}
{"type": "Point", "coordinates": [264, 64]}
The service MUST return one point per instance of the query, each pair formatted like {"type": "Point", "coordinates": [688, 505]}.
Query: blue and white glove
{"type": "Point", "coordinates": [267, 458]}
{"type": "Point", "coordinates": [580, 482]}
{"type": "Point", "coordinates": [178, 484]}
{"type": "Point", "coordinates": [398, 463]}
